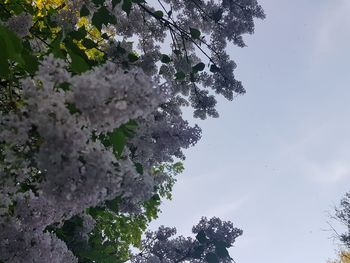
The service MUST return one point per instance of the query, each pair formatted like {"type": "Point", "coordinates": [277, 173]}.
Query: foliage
{"type": "Point", "coordinates": [344, 257]}
{"type": "Point", "coordinates": [343, 215]}
{"type": "Point", "coordinates": [91, 121]}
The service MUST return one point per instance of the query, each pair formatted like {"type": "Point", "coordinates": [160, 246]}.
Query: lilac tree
{"type": "Point", "coordinates": [91, 127]}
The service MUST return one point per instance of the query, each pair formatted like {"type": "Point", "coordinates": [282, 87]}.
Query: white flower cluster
{"type": "Point", "coordinates": [109, 96]}
{"type": "Point", "coordinates": [66, 17]}
{"type": "Point", "coordinates": [77, 171]}
{"type": "Point", "coordinates": [20, 24]}
{"type": "Point", "coordinates": [219, 22]}
{"type": "Point", "coordinates": [18, 245]}
{"type": "Point", "coordinates": [162, 135]}
{"type": "Point", "coordinates": [162, 246]}
{"type": "Point", "coordinates": [216, 229]}
{"type": "Point", "coordinates": [136, 189]}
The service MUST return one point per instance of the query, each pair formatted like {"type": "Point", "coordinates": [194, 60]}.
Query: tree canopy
{"type": "Point", "coordinates": [91, 127]}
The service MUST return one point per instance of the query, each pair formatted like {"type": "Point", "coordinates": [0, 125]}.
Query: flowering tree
{"type": "Point", "coordinates": [91, 124]}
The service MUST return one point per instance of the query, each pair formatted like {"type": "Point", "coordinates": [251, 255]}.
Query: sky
{"type": "Point", "coordinates": [277, 160]}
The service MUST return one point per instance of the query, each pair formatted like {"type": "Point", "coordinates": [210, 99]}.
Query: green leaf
{"type": "Point", "coordinates": [129, 128]}
{"type": "Point", "coordinates": [158, 14]}
{"type": "Point", "coordinates": [78, 64]}
{"type": "Point", "coordinates": [11, 45]}
{"type": "Point", "coordinates": [180, 75]}
{"type": "Point", "coordinates": [59, 53]}
{"type": "Point", "coordinates": [217, 15]}
{"type": "Point", "coordinates": [198, 251]}
{"type": "Point", "coordinates": [79, 34]}
{"type": "Point", "coordinates": [165, 59]}
{"type": "Point", "coordinates": [88, 43]}
{"type": "Point", "coordinates": [105, 36]}
{"type": "Point", "coordinates": [156, 197]}
{"type": "Point", "coordinates": [127, 6]}
{"type": "Point", "coordinates": [132, 57]}
{"type": "Point", "coordinates": [31, 62]}
{"type": "Point", "coordinates": [65, 86]}
{"type": "Point", "coordinates": [211, 258]}
{"type": "Point", "coordinates": [56, 46]}
{"type": "Point", "coordinates": [214, 68]}
{"type": "Point", "coordinates": [95, 211]}
{"type": "Point", "coordinates": [152, 207]}
{"type": "Point", "coordinates": [195, 33]}
{"type": "Point", "coordinates": [118, 141]}
{"type": "Point", "coordinates": [70, 45]}
{"type": "Point", "coordinates": [72, 108]}
{"type": "Point", "coordinates": [115, 2]}
{"type": "Point", "coordinates": [120, 49]}
{"type": "Point", "coordinates": [201, 237]}
{"type": "Point", "coordinates": [139, 168]}
{"type": "Point", "coordinates": [113, 204]}
{"type": "Point", "coordinates": [84, 11]}
{"type": "Point", "coordinates": [199, 67]}
{"type": "Point", "coordinates": [4, 65]}
{"type": "Point", "coordinates": [178, 167]}
{"type": "Point", "coordinates": [131, 125]}
{"type": "Point", "coordinates": [220, 249]}
{"type": "Point", "coordinates": [102, 17]}
{"type": "Point", "coordinates": [80, 61]}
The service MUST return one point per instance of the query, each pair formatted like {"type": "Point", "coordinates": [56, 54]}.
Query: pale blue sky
{"type": "Point", "coordinates": [278, 158]}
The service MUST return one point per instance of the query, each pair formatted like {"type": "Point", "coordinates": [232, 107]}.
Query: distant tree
{"type": "Point", "coordinates": [343, 215]}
